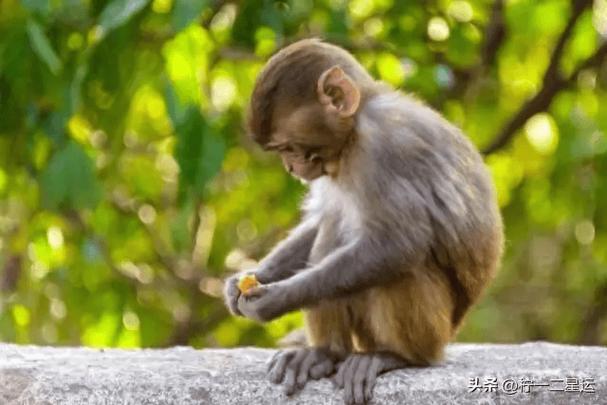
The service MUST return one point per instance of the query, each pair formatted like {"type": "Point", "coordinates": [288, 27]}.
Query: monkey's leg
{"type": "Point", "coordinates": [329, 339]}
{"type": "Point", "coordinates": [407, 323]}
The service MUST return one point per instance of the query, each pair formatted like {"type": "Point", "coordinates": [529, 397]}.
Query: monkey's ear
{"type": "Point", "coordinates": [338, 92]}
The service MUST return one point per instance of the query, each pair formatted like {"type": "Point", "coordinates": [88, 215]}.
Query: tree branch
{"type": "Point", "coordinates": [11, 273]}
{"type": "Point", "coordinates": [468, 80]}
{"type": "Point", "coordinates": [552, 83]}
{"type": "Point", "coordinates": [590, 331]}
{"type": "Point", "coordinates": [495, 33]}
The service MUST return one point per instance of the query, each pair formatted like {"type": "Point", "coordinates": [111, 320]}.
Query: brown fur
{"type": "Point", "coordinates": [285, 82]}
{"type": "Point", "coordinates": [408, 233]}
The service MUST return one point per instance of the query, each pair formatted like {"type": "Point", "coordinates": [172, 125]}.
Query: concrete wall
{"type": "Point", "coordinates": [497, 374]}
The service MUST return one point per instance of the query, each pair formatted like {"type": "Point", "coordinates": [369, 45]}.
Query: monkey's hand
{"type": "Point", "coordinates": [231, 292]}
{"type": "Point", "coordinates": [265, 302]}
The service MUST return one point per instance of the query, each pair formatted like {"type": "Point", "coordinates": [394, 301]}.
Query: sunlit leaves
{"type": "Point", "coordinates": [104, 332]}
{"type": "Point", "coordinates": [186, 11]}
{"type": "Point", "coordinates": [506, 173]}
{"type": "Point", "coordinates": [600, 17]}
{"type": "Point", "coordinates": [542, 133]}
{"type": "Point", "coordinates": [221, 23]}
{"type": "Point", "coordinates": [265, 39]}
{"type": "Point", "coordinates": [223, 91]}
{"type": "Point", "coordinates": [461, 10]}
{"type": "Point", "coordinates": [253, 15]}
{"type": "Point", "coordinates": [118, 12]}
{"type": "Point", "coordinates": [69, 180]}
{"type": "Point", "coordinates": [42, 46]}
{"type": "Point", "coordinates": [390, 69]}
{"type": "Point", "coordinates": [130, 265]}
{"type": "Point", "coordinates": [464, 44]}
{"type": "Point", "coordinates": [187, 57]}
{"type": "Point", "coordinates": [438, 29]}
{"type": "Point", "coordinates": [42, 7]}
{"type": "Point", "coordinates": [199, 152]}
{"type": "Point", "coordinates": [361, 9]}
{"type": "Point", "coordinates": [583, 43]}
{"type": "Point", "coordinates": [142, 176]}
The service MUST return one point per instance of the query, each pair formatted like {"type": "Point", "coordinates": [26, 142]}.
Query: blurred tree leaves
{"type": "Point", "coordinates": [69, 180]}
{"type": "Point", "coordinates": [128, 188]}
{"type": "Point", "coordinates": [186, 11]}
{"type": "Point", "coordinates": [118, 12]}
{"type": "Point", "coordinates": [42, 47]}
{"type": "Point", "coordinates": [199, 151]}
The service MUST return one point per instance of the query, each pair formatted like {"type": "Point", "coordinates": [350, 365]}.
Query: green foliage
{"type": "Point", "coordinates": [119, 12]}
{"type": "Point", "coordinates": [186, 11]}
{"type": "Point", "coordinates": [128, 188]}
{"type": "Point", "coordinates": [69, 180]}
{"type": "Point", "coordinates": [198, 150]}
{"type": "Point", "coordinates": [42, 47]}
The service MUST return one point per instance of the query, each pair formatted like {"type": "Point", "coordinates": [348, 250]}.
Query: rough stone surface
{"type": "Point", "coordinates": [43, 375]}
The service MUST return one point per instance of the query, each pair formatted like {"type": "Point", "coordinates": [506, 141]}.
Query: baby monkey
{"type": "Point", "coordinates": [400, 233]}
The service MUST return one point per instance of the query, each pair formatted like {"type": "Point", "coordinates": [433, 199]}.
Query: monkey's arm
{"type": "Point", "coordinates": [351, 268]}
{"type": "Point", "coordinates": [290, 255]}
{"type": "Point", "coordinates": [393, 236]}
{"type": "Point", "coordinates": [354, 267]}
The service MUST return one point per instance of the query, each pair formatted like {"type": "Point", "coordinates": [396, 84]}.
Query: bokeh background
{"type": "Point", "coordinates": [129, 190]}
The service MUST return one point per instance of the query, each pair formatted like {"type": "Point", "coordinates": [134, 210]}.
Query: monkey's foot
{"type": "Point", "coordinates": [357, 374]}
{"type": "Point", "coordinates": [293, 368]}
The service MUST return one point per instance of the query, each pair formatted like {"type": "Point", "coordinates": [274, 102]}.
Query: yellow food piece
{"type": "Point", "coordinates": [246, 282]}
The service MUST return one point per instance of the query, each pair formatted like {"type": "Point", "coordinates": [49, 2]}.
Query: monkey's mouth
{"type": "Point", "coordinates": [308, 172]}
{"type": "Point", "coordinates": [307, 179]}
{"type": "Point", "coordinates": [310, 175]}
{"type": "Point", "coordinates": [302, 180]}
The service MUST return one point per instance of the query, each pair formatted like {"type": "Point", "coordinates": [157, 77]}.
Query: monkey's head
{"type": "Point", "coordinates": [304, 106]}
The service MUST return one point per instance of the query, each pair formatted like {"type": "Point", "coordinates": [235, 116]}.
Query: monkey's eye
{"type": "Point", "coordinates": [311, 156]}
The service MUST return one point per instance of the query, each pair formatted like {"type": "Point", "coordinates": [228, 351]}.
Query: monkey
{"type": "Point", "coordinates": [400, 232]}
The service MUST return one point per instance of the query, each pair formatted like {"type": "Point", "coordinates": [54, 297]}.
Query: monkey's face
{"type": "Point", "coordinates": [303, 165]}
{"type": "Point", "coordinates": [310, 134]}
{"type": "Point", "coordinates": [307, 142]}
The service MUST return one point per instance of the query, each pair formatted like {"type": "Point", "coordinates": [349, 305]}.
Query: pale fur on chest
{"type": "Point", "coordinates": [329, 203]}
{"type": "Point", "coordinates": [342, 202]}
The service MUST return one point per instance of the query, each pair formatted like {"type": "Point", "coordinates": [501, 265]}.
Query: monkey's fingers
{"type": "Point", "coordinates": [312, 357]}
{"type": "Point", "coordinates": [354, 379]}
{"type": "Point", "coordinates": [270, 363]}
{"type": "Point", "coordinates": [318, 363]}
{"type": "Point", "coordinates": [360, 380]}
{"type": "Point", "coordinates": [290, 377]}
{"type": "Point", "coordinates": [379, 363]}
{"type": "Point", "coordinates": [349, 383]}
{"type": "Point", "coordinates": [232, 293]}
{"type": "Point", "coordinates": [321, 370]}
{"type": "Point", "coordinates": [371, 376]}
{"type": "Point", "coordinates": [276, 374]}
{"type": "Point", "coordinates": [338, 380]}
{"type": "Point", "coordinates": [255, 292]}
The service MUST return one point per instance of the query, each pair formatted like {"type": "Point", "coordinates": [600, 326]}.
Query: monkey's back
{"type": "Point", "coordinates": [421, 179]}
{"type": "Point", "coordinates": [448, 172]}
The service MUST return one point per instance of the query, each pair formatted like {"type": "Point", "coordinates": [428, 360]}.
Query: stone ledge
{"type": "Point", "coordinates": [44, 375]}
